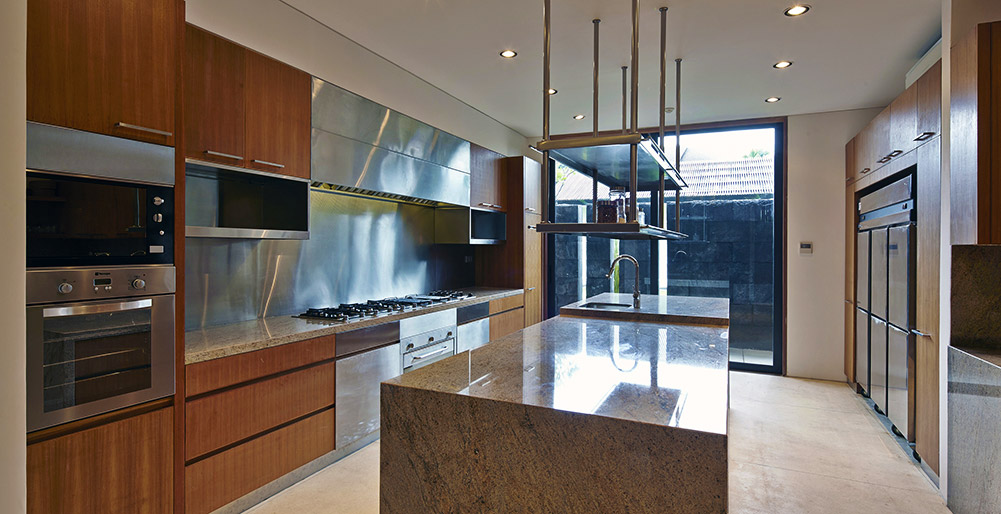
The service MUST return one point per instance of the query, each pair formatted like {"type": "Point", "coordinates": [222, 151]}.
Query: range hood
{"type": "Point", "coordinates": [361, 147]}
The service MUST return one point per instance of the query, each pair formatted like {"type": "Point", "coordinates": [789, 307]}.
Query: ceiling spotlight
{"type": "Point", "coordinates": [772, 99]}
{"type": "Point", "coordinates": [508, 54]}
{"type": "Point", "coordinates": [797, 10]}
{"type": "Point", "coordinates": [552, 91]}
{"type": "Point", "coordinates": [782, 65]}
{"type": "Point", "coordinates": [579, 117]}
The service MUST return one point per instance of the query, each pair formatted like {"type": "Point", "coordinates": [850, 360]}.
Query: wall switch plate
{"type": "Point", "coordinates": [805, 247]}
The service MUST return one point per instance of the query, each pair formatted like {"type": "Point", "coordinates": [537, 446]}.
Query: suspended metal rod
{"type": "Point", "coordinates": [594, 114]}
{"type": "Point", "coordinates": [663, 105]}
{"type": "Point", "coordinates": [546, 37]}
{"type": "Point", "coordinates": [634, 111]}
{"type": "Point", "coordinates": [625, 90]}
{"type": "Point", "coordinates": [677, 141]}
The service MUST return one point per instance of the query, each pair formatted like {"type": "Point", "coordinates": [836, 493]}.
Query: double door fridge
{"type": "Point", "coordinates": [885, 305]}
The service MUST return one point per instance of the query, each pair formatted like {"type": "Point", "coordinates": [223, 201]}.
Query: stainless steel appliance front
{"type": "Point", "coordinates": [900, 380]}
{"type": "Point", "coordinates": [357, 391]}
{"type": "Point", "coordinates": [86, 358]}
{"type": "Point", "coordinates": [472, 335]}
{"type": "Point", "coordinates": [877, 362]}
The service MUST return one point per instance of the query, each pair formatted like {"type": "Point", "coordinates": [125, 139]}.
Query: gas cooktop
{"type": "Point", "coordinates": [346, 312]}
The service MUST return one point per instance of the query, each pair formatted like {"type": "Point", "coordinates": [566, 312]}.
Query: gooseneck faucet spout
{"type": "Point", "coordinates": [636, 287]}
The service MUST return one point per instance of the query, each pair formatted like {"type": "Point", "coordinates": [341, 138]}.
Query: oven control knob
{"type": "Point", "coordinates": [157, 200]}
{"type": "Point", "coordinates": [139, 283]}
{"type": "Point", "coordinates": [65, 288]}
{"type": "Point", "coordinates": [158, 217]}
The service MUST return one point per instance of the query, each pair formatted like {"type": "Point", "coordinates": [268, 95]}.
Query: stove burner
{"type": "Point", "coordinates": [349, 311]}
{"type": "Point", "coordinates": [458, 295]}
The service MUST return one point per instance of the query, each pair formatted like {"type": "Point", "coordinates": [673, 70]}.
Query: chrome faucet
{"type": "Point", "coordinates": [636, 287]}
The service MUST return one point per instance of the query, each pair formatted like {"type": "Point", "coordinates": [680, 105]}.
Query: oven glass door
{"type": "Point", "coordinates": [94, 357]}
{"type": "Point", "coordinates": [88, 222]}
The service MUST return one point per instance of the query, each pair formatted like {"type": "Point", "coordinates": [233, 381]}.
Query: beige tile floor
{"type": "Point", "coordinates": [796, 446]}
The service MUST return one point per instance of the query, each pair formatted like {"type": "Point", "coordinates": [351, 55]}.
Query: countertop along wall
{"type": "Point", "coordinates": [12, 361]}
{"type": "Point", "coordinates": [815, 182]}
{"type": "Point", "coordinates": [273, 28]}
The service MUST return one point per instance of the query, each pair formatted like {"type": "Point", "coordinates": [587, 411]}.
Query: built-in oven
{"type": "Point", "coordinates": [98, 339]}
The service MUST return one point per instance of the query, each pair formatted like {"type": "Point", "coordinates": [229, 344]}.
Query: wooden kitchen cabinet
{"type": "Point", "coordinates": [488, 187]}
{"type": "Point", "coordinates": [104, 66]}
{"type": "Point", "coordinates": [929, 184]}
{"type": "Point", "coordinates": [926, 400]}
{"type": "Point", "coordinates": [533, 271]}
{"type": "Point", "coordinates": [929, 104]}
{"type": "Point", "coordinates": [121, 466]}
{"type": "Point", "coordinates": [214, 71]}
{"type": "Point", "coordinates": [850, 169]}
{"type": "Point", "coordinates": [243, 108]}
{"type": "Point", "coordinates": [278, 107]}
{"type": "Point", "coordinates": [872, 145]}
{"type": "Point", "coordinates": [507, 323]}
{"type": "Point", "coordinates": [904, 122]}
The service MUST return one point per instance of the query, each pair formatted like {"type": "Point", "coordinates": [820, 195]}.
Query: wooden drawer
{"type": "Point", "coordinates": [214, 421]}
{"type": "Point", "coordinates": [123, 466]}
{"type": "Point", "coordinates": [507, 323]}
{"type": "Point", "coordinates": [215, 481]}
{"type": "Point", "coordinates": [206, 376]}
{"type": "Point", "coordinates": [506, 304]}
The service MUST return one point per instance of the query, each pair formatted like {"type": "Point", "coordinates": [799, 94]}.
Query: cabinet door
{"type": "Point", "coordinates": [904, 122]}
{"type": "Point", "coordinates": [926, 398]}
{"type": "Point", "coordinates": [123, 466]}
{"type": "Point", "coordinates": [487, 184]}
{"type": "Point", "coordinates": [105, 66]}
{"type": "Point", "coordinates": [928, 239]}
{"type": "Point", "coordinates": [214, 122]}
{"type": "Point", "coordinates": [278, 112]}
{"type": "Point", "coordinates": [507, 323]}
{"type": "Point", "coordinates": [533, 271]}
{"type": "Point", "coordinates": [533, 186]}
{"type": "Point", "coordinates": [929, 104]}
{"type": "Point", "coordinates": [879, 140]}
{"type": "Point", "coordinates": [850, 169]}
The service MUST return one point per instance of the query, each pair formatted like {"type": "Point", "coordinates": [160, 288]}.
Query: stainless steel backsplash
{"type": "Point", "coordinates": [359, 248]}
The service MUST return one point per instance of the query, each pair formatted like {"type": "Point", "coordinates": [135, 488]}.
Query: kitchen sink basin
{"type": "Point", "coordinates": [606, 306]}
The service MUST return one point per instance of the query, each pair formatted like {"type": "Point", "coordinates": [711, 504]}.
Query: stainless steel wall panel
{"type": "Point", "coordinates": [359, 248]}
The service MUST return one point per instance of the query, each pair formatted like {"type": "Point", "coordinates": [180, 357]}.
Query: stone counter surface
{"type": "Point", "coordinates": [236, 338]}
{"type": "Point", "coordinates": [689, 310]}
{"type": "Point", "coordinates": [569, 415]}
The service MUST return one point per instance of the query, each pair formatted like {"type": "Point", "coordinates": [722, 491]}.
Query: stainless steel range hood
{"type": "Point", "coordinates": [361, 147]}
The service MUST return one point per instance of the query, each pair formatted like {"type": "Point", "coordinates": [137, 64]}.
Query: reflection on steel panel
{"type": "Point", "coordinates": [877, 284]}
{"type": "Point", "coordinates": [473, 335]}
{"type": "Point", "coordinates": [877, 362]}
{"type": "Point", "coordinates": [901, 276]}
{"type": "Point", "coordinates": [357, 391]}
{"type": "Point", "coordinates": [900, 381]}
{"type": "Point", "coordinates": [862, 271]}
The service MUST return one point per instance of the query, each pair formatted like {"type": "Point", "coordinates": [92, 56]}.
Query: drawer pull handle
{"type": "Point", "coordinates": [884, 160]}
{"type": "Point", "coordinates": [223, 155]}
{"type": "Point", "coordinates": [865, 170]}
{"type": "Point", "coordinates": [895, 153]}
{"type": "Point", "coordinates": [124, 125]}
{"type": "Point", "coordinates": [529, 209]}
{"type": "Point", "coordinates": [266, 163]}
{"type": "Point", "coordinates": [491, 205]}
{"type": "Point", "coordinates": [925, 136]}
{"type": "Point", "coordinates": [531, 289]}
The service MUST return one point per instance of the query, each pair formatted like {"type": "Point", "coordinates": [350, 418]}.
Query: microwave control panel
{"type": "Point", "coordinates": [57, 285]}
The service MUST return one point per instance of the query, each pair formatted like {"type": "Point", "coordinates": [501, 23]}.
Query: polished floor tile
{"type": "Point", "coordinates": [796, 446]}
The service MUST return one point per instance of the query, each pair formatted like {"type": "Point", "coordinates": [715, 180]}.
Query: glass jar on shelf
{"type": "Point", "coordinates": [619, 195]}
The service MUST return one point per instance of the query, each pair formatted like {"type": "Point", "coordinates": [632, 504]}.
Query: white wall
{"type": "Point", "coordinates": [275, 29]}
{"type": "Point", "coordinates": [12, 223]}
{"type": "Point", "coordinates": [816, 212]}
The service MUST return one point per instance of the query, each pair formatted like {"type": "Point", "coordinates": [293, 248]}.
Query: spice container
{"type": "Point", "coordinates": [618, 195]}
{"type": "Point", "coordinates": [607, 211]}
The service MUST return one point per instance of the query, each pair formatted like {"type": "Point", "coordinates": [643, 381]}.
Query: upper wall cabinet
{"type": "Point", "coordinates": [487, 180]}
{"type": "Point", "coordinates": [929, 104]}
{"type": "Point", "coordinates": [244, 109]}
{"type": "Point", "coordinates": [533, 186]}
{"type": "Point", "coordinates": [105, 66]}
{"type": "Point", "coordinates": [903, 122]}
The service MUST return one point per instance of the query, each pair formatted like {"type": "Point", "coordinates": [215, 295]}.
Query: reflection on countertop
{"type": "Point", "coordinates": [691, 310]}
{"type": "Point", "coordinates": [670, 375]}
{"type": "Point", "coordinates": [246, 336]}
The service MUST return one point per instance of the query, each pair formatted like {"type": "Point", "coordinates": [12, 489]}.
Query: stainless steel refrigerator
{"type": "Point", "coordinates": [884, 341]}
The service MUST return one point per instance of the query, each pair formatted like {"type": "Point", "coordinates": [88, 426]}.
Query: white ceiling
{"type": "Point", "coordinates": [848, 54]}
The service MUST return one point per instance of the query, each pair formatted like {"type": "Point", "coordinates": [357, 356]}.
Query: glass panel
{"type": "Point", "coordinates": [90, 357]}
{"type": "Point", "coordinates": [70, 218]}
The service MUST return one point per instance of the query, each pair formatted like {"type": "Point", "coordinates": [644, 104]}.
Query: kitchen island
{"type": "Point", "coordinates": [573, 414]}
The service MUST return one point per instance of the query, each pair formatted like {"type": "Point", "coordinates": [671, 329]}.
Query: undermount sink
{"type": "Point", "coordinates": [606, 306]}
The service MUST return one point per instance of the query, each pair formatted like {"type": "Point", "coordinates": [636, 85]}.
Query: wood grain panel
{"type": "Point", "coordinates": [278, 110]}
{"type": "Point", "coordinates": [214, 119]}
{"type": "Point", "coordinates": [929, 204]}
{"type": "Point", "coordinates": [967, 137]}
{"type": "Point", "coordinates": [214, 421]}
{"type": "Point", "coordinates": [507, 303]}
{"type": "Point", "coordinates": [506, 323]}
{"type": "Point", "coordinates": [95, 63]}
{"type": "Point", "coordinates": [926, 407]}
{"type": "Point", "coordinates": [930, 103]}
{"type": "Point", "coordinates": [487, 180]}
{"type": "Point", "coordinates": [850, 342]}
{"type": "Point", "coordinates": [850, 161]}
{"type": "Point", "coordinates": [533, 271]}
{"type": "Point", "coordinates": [879, 134]}
{"type": "Point", "coordinates": [179, 251]}
{"type": "Point", "coordinates": [125, 466]}
{"type": "Point", "coordinates": [215, 374]}
{"type": "Point", "coordinates": [222, 478]}
{"type": "Point", "coordinates": [993, 137]}
{"type": "Point", "coordinates": [904, 121]}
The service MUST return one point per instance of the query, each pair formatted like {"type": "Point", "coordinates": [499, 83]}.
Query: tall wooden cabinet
{"type": "Point", "coordinates": [488, 184]}
{"type": "Point", "coordinates": [244, 109]}
{"type": "Point", "coordinates": [104, 66]}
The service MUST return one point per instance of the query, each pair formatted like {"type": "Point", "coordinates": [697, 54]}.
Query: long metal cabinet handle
{"type": "Point", "coordinates": [436, 352]}
{"type": "Point", "coordinates": [531, 289]}
{"type": "Point", "coordinates": [529, 209]}
{"type": "Point", "coordinates": [77, 310]}
{"type": "Point", "coordinates": [164, 133]}
{"type": "Point", "coordinates": [895, 153]}
{"type": "Point", "coordinates": [865, 170]}
{"type": "Point", "coordinates": [924, 136]}
{"type": "Point", "coordinates": [224, 155]}
{"type": "Point", "coordinates": [920, 333]}
{"type": "Point", "coordinates": [266, 163]}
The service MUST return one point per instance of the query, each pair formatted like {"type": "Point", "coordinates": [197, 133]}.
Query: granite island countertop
{"type": "Point", "coordinates": [246, 336]}
{"type": "Point", "coordinates": [670, 375]}
{"type": "Point", "coordinates": [690, 310]}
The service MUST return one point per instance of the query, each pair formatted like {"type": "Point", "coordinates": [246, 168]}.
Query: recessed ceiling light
{"type": "Point", "coordinates": [579, 117]}
{"type": "Point", "coordinates": [797, 10]}
{"type": "Point", "coordinates": [772, 99]}
{"type": "Point", "coordinates": [553, 91]}
{"type": "Point", "coordinates": [508, 54]}
{"type": "Point", "coordinates": [782, 65]}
